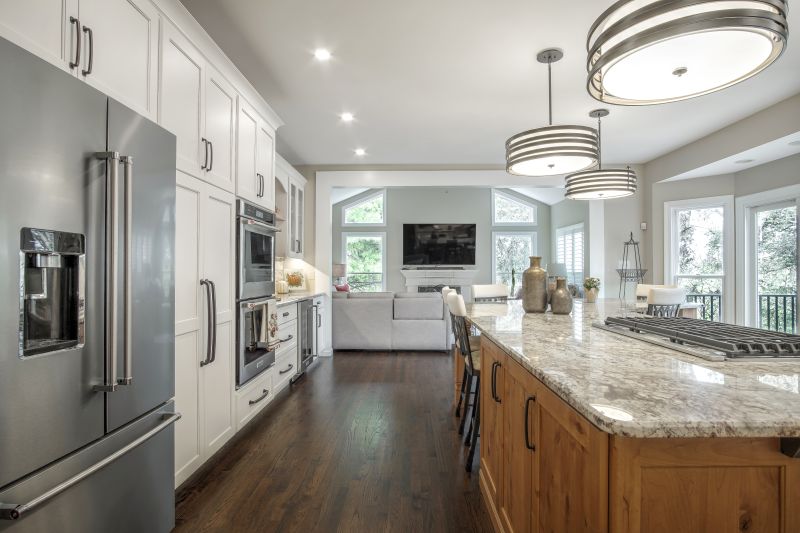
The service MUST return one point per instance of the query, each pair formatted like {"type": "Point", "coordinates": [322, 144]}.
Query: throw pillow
{"type": "Point", "coordinates": [344, 287]}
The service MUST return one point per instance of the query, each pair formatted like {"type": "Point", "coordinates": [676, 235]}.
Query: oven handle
{"type": "Point", "coordinates": [251, 222]}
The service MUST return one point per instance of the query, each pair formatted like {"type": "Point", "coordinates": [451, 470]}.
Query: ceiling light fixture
{"type": "Point", "coordinates": [322, 54]}
{"type": "Point", "coordinates": [360, 152]}
{"type": "Point", "coordinates": [347, 117]}
{"type": "Point", "coordinates": [643, 52]}
{"type": "Point", "coordinates": [551, 149]}
{"type": "Point", "coordinates": [601, 183]}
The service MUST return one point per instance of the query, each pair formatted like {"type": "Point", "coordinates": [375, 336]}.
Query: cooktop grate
{"type": "Point", "coordinates": [733, 341]}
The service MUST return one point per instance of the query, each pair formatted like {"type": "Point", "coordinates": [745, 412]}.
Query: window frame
{"type": "Point", "coordinates": [671, 247]}
{"type": "Point", "coordinates": [507, 196]}
{"type": "Point", "coordinates": [571, 229]}
{"type": "Point", "coordinates": [382, 236]}
{"type": "Point", "coordinates": [361, 200]}
{"type": "Point", "coordinates": [495, 234]}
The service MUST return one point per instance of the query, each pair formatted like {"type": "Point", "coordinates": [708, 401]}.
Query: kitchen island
{"type": "Point", "coordinates": [584, 429]}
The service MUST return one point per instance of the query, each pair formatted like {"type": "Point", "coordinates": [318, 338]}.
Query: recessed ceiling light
{"type": "Point", "coordinates": [347, 117]}
{"type": "Point", "coordinates": [322, 54]}
{"type": "Point", "coordinates": [360, 152]}
{"type": "Point", "coordinates": [744, 161]}
{"type": "Point", "coordinates": [795, 143]}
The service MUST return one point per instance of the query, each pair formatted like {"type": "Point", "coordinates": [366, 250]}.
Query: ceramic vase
{"type": "Point", "coordinates": [561, 299]}
{"type": "Point", "coordinates": [591, 295]}
{"type": "Point", "coordinates": [534, 287]}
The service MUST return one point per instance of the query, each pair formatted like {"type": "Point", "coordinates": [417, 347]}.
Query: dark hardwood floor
{"type": "Point", "coordinates": [365, 442]}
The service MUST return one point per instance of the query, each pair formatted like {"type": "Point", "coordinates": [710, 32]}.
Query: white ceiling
{"type": "Point", "coordinates": [446, 82]}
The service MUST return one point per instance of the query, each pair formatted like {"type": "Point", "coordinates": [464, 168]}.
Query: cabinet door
{"type": "Point", "coordinates": [266, 165]}
{"type": "Point", "coordinates": [248, 184]}
{"type": "Point", "coordinates": [220, 114]}
{"type": "Point", "coordinates": [571, 468]}
{"type": "Point", "coordinates": [292, 218]}
{"type": "Point", "coordinates": [123, 51]}
{"type": "Point", "coordinates": [181, 98]}
{"type": "Point", "coordinates": [491, 430]}
{"type": "Point", "coordinates": [190, 319]}
{"type": "Point", "coordinates": [518, 502]}
{"type": "Point", "coordinates": [42, 27]}
{"type": "Point", "coordinates": [217, 377]}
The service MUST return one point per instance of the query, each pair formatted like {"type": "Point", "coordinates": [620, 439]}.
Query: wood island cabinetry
{"type": "Point", "coordinates": [545, 468]}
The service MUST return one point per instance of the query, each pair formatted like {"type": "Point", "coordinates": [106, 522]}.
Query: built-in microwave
{"type": "Point", "coordinates": [255, 236]}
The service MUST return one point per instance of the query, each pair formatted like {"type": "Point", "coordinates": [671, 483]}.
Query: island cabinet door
{"type": "Point", "coordinates": [571, 469]}
{"type": "Point", "coordinates": [519, 501]}
{"type": "Point", "coordinates": [493, 362]}
{"type": "Point", "coordinates": [713, 484]}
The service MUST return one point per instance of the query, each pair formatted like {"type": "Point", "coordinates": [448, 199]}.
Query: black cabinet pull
{"type": "Point", "coordinates": [264, 395]}
{"type": "Point", "coordinates": [209, 339]}
{"type": "Point", "coordinates": [495, 397]}
{"type": "Point", "coordinates": [211, 161]}
{"type": "Point", "coordinates": [291, 366]}
{"type": "Point", "coordinates": [77, 23]}
{"type": "Point", "coordinates": [205, 157]}
{"type": "Point", "coordinates": [287, 339]}
{"type": "Point", "coordinates": [213, 320]}
{"type": "Point", "coordinates": [286, 313]}
{"type": "Point", "coordinates": [528, 444]}
{"type": "Point", "coordinates": [90, 34]}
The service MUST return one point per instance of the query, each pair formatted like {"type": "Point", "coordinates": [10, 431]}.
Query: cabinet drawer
{"type": "Point", "coordinates": [287, 313]}
{"type": "Point", "coordinates": [285, 367]}
{"type": "Point", "coordinates": [287, 334]}
{"type": "Point", "coordinates": [253, 398]}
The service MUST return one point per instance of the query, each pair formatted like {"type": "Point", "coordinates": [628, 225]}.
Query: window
{"type": "Point", "coordinates": [508, 210]}
{"type": "Point", "coordinates": [365, 257]}
{"type": "Point", "coordinates": [512, 250]}
{"type": "Point", "coordinates": [569, 251]}
{"type": "Point", "coordinates": [699, 253]}
{"type": "Point", "coordinates": [366, 211]}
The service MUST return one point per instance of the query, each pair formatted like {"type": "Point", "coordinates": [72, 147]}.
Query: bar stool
{"type": "Point", "coordinates": [495, 292]}
{"type": "Point", "coordinates": [664, 302]}
{"type": "Point", "coordinates": [474, 346]}
{"type": "Point", "coordinates": [472, 373]}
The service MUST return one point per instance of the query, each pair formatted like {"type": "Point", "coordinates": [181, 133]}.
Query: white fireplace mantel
{"type": "Point", "coordinates": [458, 277]}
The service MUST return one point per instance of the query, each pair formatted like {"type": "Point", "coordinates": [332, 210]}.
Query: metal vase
{"type": "Point", "coordinates": [561, 299]}
{"type": "Point", "coordinates": [534, 287]}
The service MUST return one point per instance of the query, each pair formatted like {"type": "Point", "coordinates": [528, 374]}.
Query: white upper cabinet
{"type": "Point", "coordinates": [119, 52]}
{"type": "Point", "coordinates": [42, 27]}
{"type": "Point", "coordinates": [181, 99]}
{"type": "Point", "coordinates": [293, 244]}
{"type": "Point", "coordinates": [255, 173]}
{"type": "Point", "coordinates": [220, 119]}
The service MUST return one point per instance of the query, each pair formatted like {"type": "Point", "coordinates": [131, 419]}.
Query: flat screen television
{"type": "Point", "coordinates": [439, 244]}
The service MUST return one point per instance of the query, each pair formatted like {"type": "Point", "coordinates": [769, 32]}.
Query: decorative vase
{"type": "Point", "coordinates": [534, 287]}
{"type": "Point", "coordinates": [591, 295]}
{"type": "Point", "coordinates": [561, 300]}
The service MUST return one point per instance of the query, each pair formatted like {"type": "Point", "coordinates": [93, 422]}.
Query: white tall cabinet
{"type": "Point", "coordinates": [205, 250]}
{"type": "Point", "coordinates": [118, 51]}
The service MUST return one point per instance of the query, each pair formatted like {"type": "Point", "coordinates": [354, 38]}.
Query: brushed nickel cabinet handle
{"type": "Point", "coordinates": [264, 395]}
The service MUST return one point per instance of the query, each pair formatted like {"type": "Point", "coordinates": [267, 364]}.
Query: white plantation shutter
{"type": "Point", "coordinates": [569, 250]}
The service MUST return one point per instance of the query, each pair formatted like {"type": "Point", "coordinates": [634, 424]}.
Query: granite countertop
{"type": "Point", "coordinates": [632, 388]}
{"type": "Point", "coordinates": [292, 297]}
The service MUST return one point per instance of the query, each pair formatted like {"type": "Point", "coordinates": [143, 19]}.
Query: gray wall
{"type": "Point", "coordinates": [408, 205]}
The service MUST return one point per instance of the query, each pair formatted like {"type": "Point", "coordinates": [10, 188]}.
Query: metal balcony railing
{"type": "Point", "coordinates": [365, 281]}
{"type": "Point", "coordinates": [777, 312]}
{"type": "Point", "coordinates": [712, 305]}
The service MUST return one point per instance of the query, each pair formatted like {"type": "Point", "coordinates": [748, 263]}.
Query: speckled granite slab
{"type": "Point", "coordinates": [635, 389]}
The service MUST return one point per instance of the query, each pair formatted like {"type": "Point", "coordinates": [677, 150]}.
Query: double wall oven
{"type": "Point", "coordinates": [255, 236]}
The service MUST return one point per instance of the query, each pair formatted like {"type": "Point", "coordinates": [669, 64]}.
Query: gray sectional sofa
{"type": "Point", "coordinates": [389, 321]}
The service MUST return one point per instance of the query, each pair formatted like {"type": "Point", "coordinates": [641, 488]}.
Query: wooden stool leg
{"type": "Point", "coordinates": [475, 429]}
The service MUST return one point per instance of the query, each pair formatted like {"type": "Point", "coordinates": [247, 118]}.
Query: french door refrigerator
{"type": "Point", "coordinates": [87, 240]}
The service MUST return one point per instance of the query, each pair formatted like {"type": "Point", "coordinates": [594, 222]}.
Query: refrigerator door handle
{"type": "Point", "coordinates": [209, 342]}
{"type": "Point", "coordinates": [77, 22]}
{"type": "Point", "coordinates": [127, 169]}
{"type": "Point", "coordinates": [112, 230]}
{"type": "Point", "coordinates": [15, 511]}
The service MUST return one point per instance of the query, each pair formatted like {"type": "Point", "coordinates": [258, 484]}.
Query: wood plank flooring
{"type": "Point", "coordinates": [365, 442]}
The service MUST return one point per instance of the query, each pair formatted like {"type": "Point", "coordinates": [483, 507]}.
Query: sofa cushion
{"type": "Point", "coordinates": [418, 309]}
{"type": "Point", "coordinates": [340, 295]}
{"type": "Point", "coordinates": [362, 324]}
{"type": "Point", "coordinates": [367, 295]}
{"type": "Point", "coordinates": [419, 335]}
{"type": "Point", "coordinates": [430, 295]}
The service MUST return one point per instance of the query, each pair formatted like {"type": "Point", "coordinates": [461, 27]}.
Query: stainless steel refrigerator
{"type": "Point", "coordinates": [87, 243]}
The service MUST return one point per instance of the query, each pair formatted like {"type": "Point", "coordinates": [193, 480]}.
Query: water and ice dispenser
{"type": "Point", "coordinates": [52, 291]}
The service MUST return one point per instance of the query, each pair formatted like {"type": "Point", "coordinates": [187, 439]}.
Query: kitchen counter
{"type": "Point", "coordinates": [630, 388]}
{"type": "Point", "coordinates": [293, 297]}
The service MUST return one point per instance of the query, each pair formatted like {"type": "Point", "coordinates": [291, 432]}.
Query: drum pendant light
{"type": "Point", "coordinates": [643, 52]}
{"type": "Point", "coordinates": [551, 150]}
{"type": "Point", "coordinates": [601, 183]}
